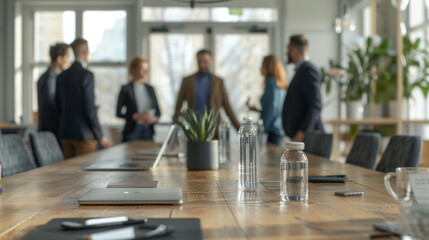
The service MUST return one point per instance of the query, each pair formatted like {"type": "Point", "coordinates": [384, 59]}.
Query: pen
{"type": "Point", "coordinates": [276, 181]}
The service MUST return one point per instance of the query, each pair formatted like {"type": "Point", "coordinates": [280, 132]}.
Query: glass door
{"type": "Point", "coordinates": [238, 59]}
{"type": "Point", "coordinates": [171, 58]}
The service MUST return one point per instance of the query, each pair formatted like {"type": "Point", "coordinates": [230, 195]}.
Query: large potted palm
{"type": "Point", "coordinates": [356, 77]}
{"type": "Point", "coordinates": [202, 150]}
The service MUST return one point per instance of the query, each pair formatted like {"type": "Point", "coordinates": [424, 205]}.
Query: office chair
{"type": "Point", "coordinates": [402, 151]}
{"type": "Point", "coordinates": [46, 149]}
{"type": "Point", "coordinates": [318, 143]}
{"type": "Point", "coordinates": [365, 150]}
{"type": "Point", "coordinates": [14, 155]}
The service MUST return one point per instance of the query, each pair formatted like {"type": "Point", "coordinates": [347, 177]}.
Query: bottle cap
{"type": "Point", "coordinates": [295, 145]}
{"type": "Point", "coordinates": [224, 124]}
{"type": "Point", "coordinates": [247, 119]}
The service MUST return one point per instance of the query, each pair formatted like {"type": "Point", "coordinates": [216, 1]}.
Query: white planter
{"type": "Point", "coordinates": [354, 110]}
{"type": "Point", "coordinates": [393, 109]}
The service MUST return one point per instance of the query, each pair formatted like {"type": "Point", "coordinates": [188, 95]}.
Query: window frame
{"type": "Point", "coordinates": [136, 37]}
{"type": "Point", "coordinates": [28, 37]}
{"type": "Point", "coordinates": [216, 28]}
{"type": "Point", "coordinates": [424, 27]}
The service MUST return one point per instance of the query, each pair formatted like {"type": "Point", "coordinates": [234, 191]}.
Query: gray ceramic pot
{"type": "Point", "coordinates": [202, 155]}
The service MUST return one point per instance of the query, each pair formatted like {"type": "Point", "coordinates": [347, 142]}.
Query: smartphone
{"type": "Point", "coordinates": [101, 222]}
{"type": "Point", "coordinates": [348, 193]}
{"type": "Point", "coordinates": [393, 227]}
{"type": "Point", "coordinates": [131, 233]}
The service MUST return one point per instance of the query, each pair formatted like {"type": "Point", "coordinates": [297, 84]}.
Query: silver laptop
{"type": "Point", "coordinates": [134, 166]}
{"type": "Point", "coordinates": [123, 196]}
{"type": "Point", "coordinates": [152, 153]}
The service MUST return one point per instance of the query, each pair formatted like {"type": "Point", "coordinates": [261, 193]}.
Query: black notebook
{"type": "Point", "coordinates": [328, 179]}
{"type": "Point", "coordinates": [182, 228]}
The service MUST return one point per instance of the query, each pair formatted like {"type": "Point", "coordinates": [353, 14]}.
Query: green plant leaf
{"type": "Point", "coordinates": [200, 127]}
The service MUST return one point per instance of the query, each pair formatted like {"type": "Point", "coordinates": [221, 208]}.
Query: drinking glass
{"type": "Point", "coordinates": [412, 194]}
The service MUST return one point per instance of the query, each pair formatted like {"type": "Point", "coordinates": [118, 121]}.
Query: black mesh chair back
{"type": "Point", "coordinates": [14, 155]}
{"type": "Point", "coordinates": [46, 149]}
{"type": "Point", "coordinates": [402, 151]}
{"type": "Point", "coordinates": [365, 150]}
{"type": "Point", "coordinates": [319, 144]}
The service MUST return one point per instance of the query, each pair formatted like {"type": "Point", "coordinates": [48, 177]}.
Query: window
{"type": "Point", "coordinates": [166, 72]}
{"type": "Point", "coordinates": [367, 22]}
{"type": "Point", "coordinates": [218, 14]}
{"type": "Point", "coordinates": [242, 78]}
{"type": "Point", "coordinates": [244, 15]}
{"type": "Point", "coordinates": [106, 32]}
{"type": "Point", "coordinates": [108, 82]}
{"type": "Point", "coordinates": [175, 14]}
{"type": "Point", "coordinates": [417, 12]}
{"type": "Point", "coordinates": [50, 27]}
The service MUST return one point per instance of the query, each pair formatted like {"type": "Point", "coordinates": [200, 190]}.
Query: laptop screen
{"type": "Point", "coordinates": [165, 144]}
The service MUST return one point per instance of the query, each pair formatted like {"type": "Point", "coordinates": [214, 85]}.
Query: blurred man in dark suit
{"type": "Point", "coordinates": [303, 103]}
{"type": "Point", "coordinates": [49, 118]}
{"type": "Point", "coordinates": [80, 130]}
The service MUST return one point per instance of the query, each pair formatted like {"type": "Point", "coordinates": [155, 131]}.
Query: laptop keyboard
{"type": "Point", "coordinates": [137, 165]}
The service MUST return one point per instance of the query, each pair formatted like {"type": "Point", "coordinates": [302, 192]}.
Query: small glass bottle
{"type": "Point", "coordinates": [294, 173]}
{"type": "Point", "coordinates": [261, 133]}
{"type": "Point", "coordinates": [224, 144]}
{"type": "Point", "coordinates": [247, 172]}
{"type": "Point", "coordinates": [182, 143]}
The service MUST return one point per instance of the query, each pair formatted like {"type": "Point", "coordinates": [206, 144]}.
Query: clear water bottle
{"type": "Point", "coordinates": [294, 173]}
{"type": "Point", "coordinates": [261, 133]}
{"type": "Point", "coordinates": [182, 143]}
{"type": "Point", "coordinates": [248, 155]}
{"type": "Point", "coordinates": [224, 144]}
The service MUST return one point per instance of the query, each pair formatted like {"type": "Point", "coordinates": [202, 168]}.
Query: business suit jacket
{"type": "Point", "coordinates": [303, 103]}
{"type": "Point", "coordinates": [49, 118]}
{"type": "Point", "coordinates": [76, 104]}
{"type": "Point", "coordinates": [127, 99]}
{"type": "Point", "coordinates": [218, 97]}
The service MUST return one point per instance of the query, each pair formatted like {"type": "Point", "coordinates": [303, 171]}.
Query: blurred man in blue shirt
{"type": "Point", "coordinates": [204, 89]}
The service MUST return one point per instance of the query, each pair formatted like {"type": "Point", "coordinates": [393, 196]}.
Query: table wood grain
{"type": "Point", "coordinates": [33, 198]}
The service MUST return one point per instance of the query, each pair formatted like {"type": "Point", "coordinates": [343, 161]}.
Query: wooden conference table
{"type": "Point", "coordinates": [33, 198]}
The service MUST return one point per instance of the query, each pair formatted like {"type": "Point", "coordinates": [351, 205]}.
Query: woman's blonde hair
{"type": "Point", "coordinates": [135, 63]}
{"type": "Point", "coordinates": [274, 68]}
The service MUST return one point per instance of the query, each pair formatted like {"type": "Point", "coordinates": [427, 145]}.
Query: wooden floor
{"type": "Point", "coordinates": [34, 197]}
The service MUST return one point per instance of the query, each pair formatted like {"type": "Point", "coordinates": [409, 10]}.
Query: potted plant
{"type": "Point", "coordinates": [202, 150]}
{"type": "Point", "coordinates": [355, 79]}
{"type": "Point", "coordinates": [415, 71]}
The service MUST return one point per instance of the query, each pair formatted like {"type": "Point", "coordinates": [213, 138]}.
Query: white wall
{"type": "Point", "coordinates": [2, 60]}
{"type": "Point", "coordinates": [7, 12]}
{"type": "Point", "coordinates": [315, 19]}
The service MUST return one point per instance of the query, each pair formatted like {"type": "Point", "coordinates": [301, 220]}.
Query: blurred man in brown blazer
{"type": "Point", "coordinates": [204, 89]}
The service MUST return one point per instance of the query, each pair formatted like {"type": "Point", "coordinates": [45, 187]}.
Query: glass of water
{"type": "Point", "coordinates": [224, 142]}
